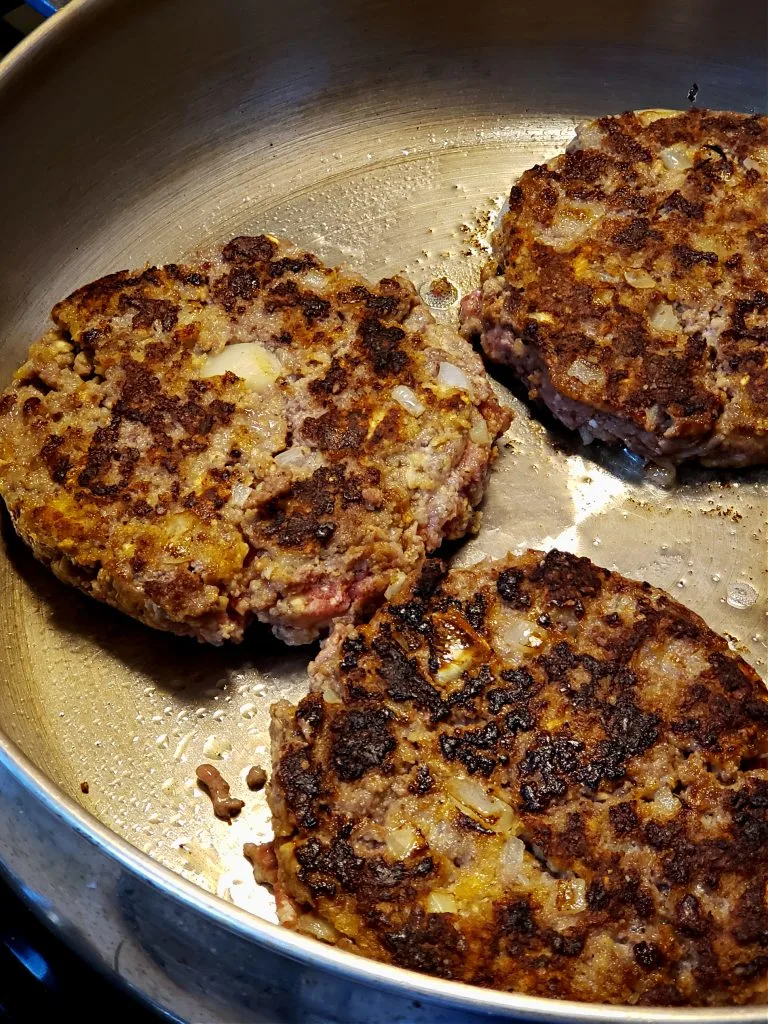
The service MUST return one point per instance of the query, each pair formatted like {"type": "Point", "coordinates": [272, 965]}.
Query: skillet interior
{"type": "Point", "coordinates": [389, 140]}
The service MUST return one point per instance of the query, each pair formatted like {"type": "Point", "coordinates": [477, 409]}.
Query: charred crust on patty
{"type": "Point", "coordinates": [620, 768]}
{"type": "Point", "coordinates": [289, 487]}
{"type": "Point", "coordinates": [622, 285]}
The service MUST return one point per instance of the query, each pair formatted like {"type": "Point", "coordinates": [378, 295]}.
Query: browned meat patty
{"type": "Point", "coordinates": [535, 775]}
{"type": "Point", "coordinates": [249, 435]}
{"type": "Point", "coordinates": [629, 287]}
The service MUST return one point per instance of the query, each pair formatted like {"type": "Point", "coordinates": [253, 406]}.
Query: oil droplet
{"type": "Point", "coordinates": [741, 595]}
{"type": "Point", "coordinates": [440, 293]}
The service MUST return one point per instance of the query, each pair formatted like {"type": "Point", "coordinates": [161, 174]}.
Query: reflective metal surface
{"type": "Point", "coordinates": [386, 134]}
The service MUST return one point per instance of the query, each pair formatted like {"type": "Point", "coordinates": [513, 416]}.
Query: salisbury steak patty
{"type": "Point", "coordinates": [253, 434]}
{"type": "Point", "coordinates": [629, 288]}
{"type": "Point", "coordinates": [535, 775]}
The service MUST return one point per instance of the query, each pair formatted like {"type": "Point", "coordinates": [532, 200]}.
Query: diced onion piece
{"type": "Point", "coordinates": [248, 360]}
{"type": "Point", "coordinates": [586, 372]}
{"type": "Point", "coordinates": [395, 586]}
{"type": "Point", "coordinates": [588, 136]}
{"type": "Point", "coordinates": [639, 278]}
{"type": "Point", "coordinates": [664, 318]}
{"type": "Point", "coordinates": [331, 697]}
{"type": "Point", "coordinates": [676, 158]}
{"type": "Point", "coordinates": [752, 165]}
{"type": "Point", "coordinates": [651, 114]}
{"type": "Point", "coordinates": [572, 895]}
{"type": "Point", "coordinates": [318, 928]}
{"type": "Point", "coordinates": [666, 803]}
{"type": "Point", "coordinates": [216, 747]}
{"type": "Point", "coordinates": [478, 432]}
{"type": "Point", "coordinates": [511, 861]}
{"type": "Point", "coordinates": [457, 661]}
{"type": "Point", "coordinates": [240, 494]}
{"type": "Point", "coordinates": [516, 631]}
{"type": "Point", "coordinates": [294, 456]}
{"type": "Point", "coordinates": [444, 838]}
{"type": "Point", "coordinates": [315, 279]}
{"type": "Point", "coordinates": [441, 903]}
{"type": "Point", "coordinates": [452, 377]}
{"type": "Point", "coordinates": [401, 841]}
{"type": "Point", "coordinates": [408, 399]}
{"type": "Point", "coordinates": [471, 795]}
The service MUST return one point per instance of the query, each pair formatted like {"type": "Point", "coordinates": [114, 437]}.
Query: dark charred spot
{"type": "Point", "coordinates": [475, 610]}
{"type": "Point", "coordinates": [520, 679]}
{"type": "Point", "coordinates": [427, 942]}
{"type": "Point", "coordinates": [351, 648]}
{"type": "Point", "coordinates": [566, 945]}
{"type": "Point", "coordinates": [687, 257]}
{"type": "Point", "coordinates": [8, 401]}
{"type": "Point", "coordinates": [150, 311]}
{"type": "Point", "coordinates": [323, 865]}
{"type": "Point", "coordinates": [311, 711]}
{"type": "Point", "coordinates": [570, 580]}
{"type": "Point", "coordinates": [301, 517]}
{"type": "Point", "coordinates": [647, 955]}
{"type": "Point", "coordinates": [383, 306]}
{"type": "Point", "coordinates": [548, 764]}
{"type": "Point", "coordinates": [403, 678]}
{"type": "Point", "coordinates": [688, 915]}
{"type": "Point", "coordinates": [742, 308]}
{"type": "Point", "coordinates": [635, 234]}
{"type": "Point", "coordinates": [301, 782]}
{"type": "Point", "coordinates": [335, 380]}
{"type": "Point", "coordinates": [382, 345]}
{"type": "Point", "coordinates": [472, 688]}
{"type": "Point", "coordinates": [517, 919]}
{"type": "Point", "coordinates": [677, 203]}
{"type": "Point", "coordinates": [508, 585]}
{"type": "Point", "coordinates": [467, 745]}
{"type": "Point", "coordinates": [336, 430]}
{"type": "Point", "coordinates": [422, 781]}
{"type": "Point", "coordinates": [314, 308]}
{"type": "Point", "coordinates": [631, 730]}
{"type": "Point", "coordinates": [292, 264]}
{"type": "Point", "coordinates": [751, 915]}
{"type": "Point", "coordinates": [433, 571]}
{"type": "Point", "coordinates": [598, 897]}
{"type": "Point", "coordinates": [186, 275]}
{"type": "Point", "coordinates": [361, 740]}
{"type": "Point", "coordinates": [55, 461]}
{"type": "Point", "coordinates": [249, 249]}
{"type": "Point", "coordinates": [141, 508]}
{"type": "Point", "coordinates": [242, 283]}
{"type": "Point", "coordinates": [623, 818]}
{"type": "Point", "coordinates": [622, 142]}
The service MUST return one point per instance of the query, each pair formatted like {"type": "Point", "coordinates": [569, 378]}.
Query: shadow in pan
{"type": "Point", "coordinates": [616, 459]}
{"type": "Point", "coordinates": [180, 664]}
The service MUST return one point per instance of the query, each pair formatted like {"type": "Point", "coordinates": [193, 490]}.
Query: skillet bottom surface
{"type": "Point", "coordinates": [95, 698]}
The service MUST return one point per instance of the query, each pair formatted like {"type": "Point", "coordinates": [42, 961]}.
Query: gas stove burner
{"type": "Point", "coordinates": [40, 979]}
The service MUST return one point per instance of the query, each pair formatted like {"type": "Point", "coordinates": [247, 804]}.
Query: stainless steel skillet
{"type": "Point", "coordinates": [386, 133]}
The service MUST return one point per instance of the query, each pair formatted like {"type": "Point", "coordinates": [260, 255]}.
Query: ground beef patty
{"type": "Point", "coordinates": [535, 775]}
{"type": "Point", "coordinates": [629, 286]}
{"type": "Point", "coordinates": [251, 434]}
